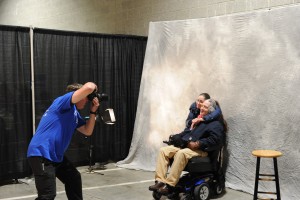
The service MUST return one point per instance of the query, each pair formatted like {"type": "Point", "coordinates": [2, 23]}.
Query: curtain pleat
{"type": "Point", "coordinates": [15, 102]}
{"type": "Point", "coordinates": [119, 70]}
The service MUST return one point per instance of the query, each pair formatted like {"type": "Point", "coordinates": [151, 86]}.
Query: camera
{"type": "Point", "coordinates": [176, 141]}
{"type": "Point", "coordinates": [100, 96]}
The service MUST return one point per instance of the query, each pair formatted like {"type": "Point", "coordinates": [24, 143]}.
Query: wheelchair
{"type": "Point", "coordinates": [204, 178]}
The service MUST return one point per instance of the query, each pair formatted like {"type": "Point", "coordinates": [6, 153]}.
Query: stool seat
{"type": "Point", "coordinates": [266, 153]}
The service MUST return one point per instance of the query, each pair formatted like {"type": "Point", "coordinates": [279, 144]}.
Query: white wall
{"type": "Point", "coordinates": [250, 63]}
{"type": "Point", "coordinates": [119, 16]}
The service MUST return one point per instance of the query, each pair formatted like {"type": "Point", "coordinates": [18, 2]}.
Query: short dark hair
{"type": "Point", "coordinates": [206, 95]}
{"type": "Point", "coordinates": [73, 87]}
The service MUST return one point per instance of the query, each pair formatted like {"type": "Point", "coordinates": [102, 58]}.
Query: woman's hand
{"type": "Point", "coordinates": [195, 122]}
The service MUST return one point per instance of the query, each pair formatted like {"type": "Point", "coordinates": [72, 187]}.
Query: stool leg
{"type": "Point", "coordinates": [256, 178]}
{"type": "Point", "coordinates": [277, 179]}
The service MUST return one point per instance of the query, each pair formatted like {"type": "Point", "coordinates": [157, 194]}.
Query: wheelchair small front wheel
{"type": "Point", "coordinates": [202, 192]}
{"type": "Point", "coordinates": [185, 197]}
{"type": "Point", "coordinates": [156, 195]}
{"type": "Point", "coordinates": [219, 189]}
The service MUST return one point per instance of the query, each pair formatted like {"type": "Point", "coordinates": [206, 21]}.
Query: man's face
{"type": "Point", "coordinates": [80, 104]}
{"type": "Point", "coordinates": [200, 101]}
{"type": "Point", "coordinates": [204, 107]}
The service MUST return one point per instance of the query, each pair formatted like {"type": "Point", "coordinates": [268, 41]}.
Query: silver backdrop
{"type": "Point", "coordinates": [250, 63]}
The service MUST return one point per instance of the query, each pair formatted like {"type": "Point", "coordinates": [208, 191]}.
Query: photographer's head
{"type": "Point", "coordinates": [84, 93]}
{"type": "Point", "coordinates": [208, 106]}
{"type": "Point", "coordinates": [73, 87]}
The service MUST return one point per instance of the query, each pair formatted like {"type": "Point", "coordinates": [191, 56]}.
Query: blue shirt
{"type": "Point", "coordinates": [55, 130]}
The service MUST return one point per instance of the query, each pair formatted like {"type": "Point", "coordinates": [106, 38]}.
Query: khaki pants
{"type": "Point", "coordinates": [181, 158]}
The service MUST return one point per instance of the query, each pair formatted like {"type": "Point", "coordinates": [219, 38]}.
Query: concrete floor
{"type": "Point", "coordinates": [113, 184]}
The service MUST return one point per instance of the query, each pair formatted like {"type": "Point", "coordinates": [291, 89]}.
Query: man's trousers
{"type": "Point", "coordinates": [45, 173]}
{"type": "Point", "coordinates": [180, 160]}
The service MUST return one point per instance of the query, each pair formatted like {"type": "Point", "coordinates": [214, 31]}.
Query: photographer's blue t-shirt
{"type": "Point", "coordinates": [55, 130]}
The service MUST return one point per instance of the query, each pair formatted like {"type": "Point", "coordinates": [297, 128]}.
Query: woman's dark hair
{"type": "Point", "coordinates": [206, 95]}
{"type": "Point", "coordinates": [222, 120]}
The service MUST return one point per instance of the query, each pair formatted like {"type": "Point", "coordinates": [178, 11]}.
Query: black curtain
{"type": "Point", "coordinates": [15, 102]}
{"type": "Point", "coordinates": [114, 62]}
{"type": "Point", "coordinates": [119, 69]}
{"type": "Point", "coordinates": [62, 58]}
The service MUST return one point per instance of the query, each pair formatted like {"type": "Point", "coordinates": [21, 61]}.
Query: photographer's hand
{"type": "Point", "coordinates": [88, 128]}
{"type": "Point", "coordinates": [95, 104]}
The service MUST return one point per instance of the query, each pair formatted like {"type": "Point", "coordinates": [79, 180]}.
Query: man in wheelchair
{"type": "Point", "coordinates": [196, 142]}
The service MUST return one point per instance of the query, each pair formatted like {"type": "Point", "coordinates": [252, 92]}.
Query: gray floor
{"type": "Point", "coordinates": [113, 184]}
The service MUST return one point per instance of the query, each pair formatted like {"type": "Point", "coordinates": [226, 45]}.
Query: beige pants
{"type": "Point", "coordinates": [181, 158]}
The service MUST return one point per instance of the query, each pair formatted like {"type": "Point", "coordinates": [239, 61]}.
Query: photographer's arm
{"type": "Point", "coordinates": [88, 128]}
{"type": "Point", "coordinates": [85, 90]}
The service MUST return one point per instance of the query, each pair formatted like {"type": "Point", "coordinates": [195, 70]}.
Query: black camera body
{"type": "Point", "coordinates": [100, 96]}
{"type": "Point", "coordinates": [176, 141]}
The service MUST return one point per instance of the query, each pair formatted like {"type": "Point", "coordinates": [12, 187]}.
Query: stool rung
{"type": "Point", "coordinates": [267, 179]}
{"type": "Point", "coordinates": [266, 192]}
{"type": "Point", "coordinates": [266, 199]}
{"type": "Point", "coordinates": [267, 174]}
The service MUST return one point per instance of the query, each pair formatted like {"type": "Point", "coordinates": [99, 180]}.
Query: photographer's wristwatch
{"type": "Point", "coordinates": [91, 112]}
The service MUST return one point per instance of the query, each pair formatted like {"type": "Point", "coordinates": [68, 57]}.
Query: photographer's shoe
{"type": "Point", "coordinates": [156, 186]}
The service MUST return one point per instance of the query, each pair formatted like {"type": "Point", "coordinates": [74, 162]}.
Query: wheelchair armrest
{"type": "Point", "coordinates": [213, 148]}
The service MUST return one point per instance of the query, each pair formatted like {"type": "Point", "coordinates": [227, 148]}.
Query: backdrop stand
{"type": "Point", "coordinates": [90, 169]}
{"type": "Point", "coordinates": [108, 117]}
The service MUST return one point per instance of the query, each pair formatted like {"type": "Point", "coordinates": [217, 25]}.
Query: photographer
{"type": "Point", "coordinates": [52, 138]}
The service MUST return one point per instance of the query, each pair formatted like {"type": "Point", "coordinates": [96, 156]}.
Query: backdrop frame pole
{"type": "Point", "coordinates": [32, 79]}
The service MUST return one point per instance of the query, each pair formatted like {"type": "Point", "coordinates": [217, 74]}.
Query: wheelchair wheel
{"type": "Point", "coordinates": [219, 189]}
{"type": "Point", "coordinates": [202, 192]}
{"type": "Point", "coordinates": [185, 197]}
{"type": "Point", "coordinates": [156, 195]}
{"type": "Point", "coordinates": [173, 196]}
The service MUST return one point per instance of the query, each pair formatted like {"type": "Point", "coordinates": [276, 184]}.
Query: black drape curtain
{"type": "Point", "coordinates": [113, 62]}
{"type": "Point", "coordinates": [15, 102]}
{"type": "Point", "coordinates": [62, 58]}
{"type": "Point", "coordinates": [119, 69]}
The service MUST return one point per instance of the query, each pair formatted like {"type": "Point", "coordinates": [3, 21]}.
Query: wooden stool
{"type": "Point", "coordinates": [266, 154]}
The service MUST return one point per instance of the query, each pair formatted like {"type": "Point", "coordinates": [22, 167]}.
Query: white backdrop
{"type": "Point", "coordinates": [250, 63]}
